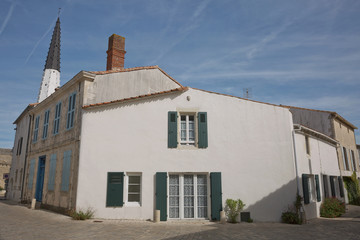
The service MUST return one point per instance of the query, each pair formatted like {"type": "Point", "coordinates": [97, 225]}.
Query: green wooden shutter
{"type": "Point", "coordinates": [202, 126]}
{"type": "Point", "coordinates": [305, 182]}
{"type": "Point", "coordinates": [115, 188]}
{"type": "Point", "coordinates": [341, 186]}
{"type": "Point", "coordinates": [215, 195]}
{"type": "Point", "coordinates": [172, 129]}
{"type": "Point", "coordinates": [318, 194]}
{"type": "Point", "coordinates": [333, 193]}
{"type": "Point", "coordinates": [161, 194]}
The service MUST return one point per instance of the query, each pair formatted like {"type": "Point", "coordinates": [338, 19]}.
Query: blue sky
{"type": "Point", "coordinates": [290, 52]}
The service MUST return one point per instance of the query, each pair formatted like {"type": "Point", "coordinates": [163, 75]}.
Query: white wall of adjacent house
{"type": "Point", "coordinates": [320, 159]}
{"type": "Point", "coordinates": [250, 143]}
{"type": "Point", "coordinates": [18, 159]}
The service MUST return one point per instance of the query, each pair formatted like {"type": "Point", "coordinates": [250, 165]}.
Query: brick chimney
{"type": "Point", "coordinates": [115, 53]}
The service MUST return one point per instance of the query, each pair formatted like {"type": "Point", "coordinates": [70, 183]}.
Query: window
{"type": "Point", "coordinates": [36, 128]}
{"type": "Point", "coordinates": [345, 159]}
{"type": "Point", "coordinates": [18, 151]}
{"type": "Point", "coordinates": [188, 196]}
{"type": "Point", "coordinates": [134, 189]}
{"type": "Point", "coordinates": [52, 172]}
{"type": "Point", "coordinates": [326, 186]}
{"type": "Point", "coordinates": [46, 124]}
{"type": "Point", "coordinates": [307, 145]}
{"type": "Point", "coordinates": [71, 111]}
{"type": "Point", "coordinates": [352, 157]}
{"type": "Point", "coordinates": [192, 129]}
{"type": "Point", "coordinates": [311, 188]}
{"type": "Point", "coordinates": [65, 176]}
{"type": "Point", "coordinates": [57, 118]}
{"type": "Point", "coordinates": [187, 129]}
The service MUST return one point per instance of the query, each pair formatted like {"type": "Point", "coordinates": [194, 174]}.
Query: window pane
{"type": "Point", "coordinates": [134, 197]}
{"type": "Point", "coordinates": [174, 196]}
{"type": "Point", "coordinates": [134, 188]}
{"type": "Point", "coordinates": [134, 179]}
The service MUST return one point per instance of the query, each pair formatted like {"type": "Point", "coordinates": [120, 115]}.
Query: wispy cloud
{"type": "Point", "coordinates": [270, 37]}
{"type": "Point", "coordinates": [38, 42]}
{"type": "Point", "coordinates": [8, 16]}
{"type": "Point", "coordinates": [185, 30]}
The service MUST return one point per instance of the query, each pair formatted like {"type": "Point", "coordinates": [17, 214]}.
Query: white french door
{"type": "Point", "coordinates": [188, 196]}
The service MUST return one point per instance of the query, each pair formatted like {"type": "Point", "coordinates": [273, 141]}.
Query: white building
{"type": "Point", "coordinates": [185, 135]}
{"type": "Point", "coordinates": [317, 168]}
{"type": "Point", "coordinates": [126, 142]}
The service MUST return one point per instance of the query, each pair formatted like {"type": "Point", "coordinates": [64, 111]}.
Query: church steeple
{"type": "Point", "coordinates": [51, 75]}
{"type": "Point", "coordinates": [53, 57]}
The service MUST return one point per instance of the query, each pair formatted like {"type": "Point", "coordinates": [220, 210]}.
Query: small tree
{"type": "Point", "coordinates": [233, 209]}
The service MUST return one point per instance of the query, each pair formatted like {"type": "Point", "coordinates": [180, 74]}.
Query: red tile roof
{"type": "Point", "coordinates": [137, 97]}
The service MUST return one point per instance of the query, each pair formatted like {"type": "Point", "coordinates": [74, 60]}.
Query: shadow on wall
{"type": "Point", "coordinates": [270, 207]}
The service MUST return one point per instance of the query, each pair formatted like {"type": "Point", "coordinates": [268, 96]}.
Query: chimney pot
{"type": "Point", "coordinates": [116, 52]}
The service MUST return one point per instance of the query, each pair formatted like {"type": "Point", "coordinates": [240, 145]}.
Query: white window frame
{"type": "Point", "coordinates": [181, 195]}
{"type": "Point", "coordinates": [312, 188]}
{"type": "Point", "coordinates": [126, 190]}
{"type": "Point", "coordinates": [187, 142]}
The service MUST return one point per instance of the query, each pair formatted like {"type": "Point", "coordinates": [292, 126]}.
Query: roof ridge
{"type": "Point", "coordinates": [124, 70]}
{"type": "Point", "coordinates": [228, 95]}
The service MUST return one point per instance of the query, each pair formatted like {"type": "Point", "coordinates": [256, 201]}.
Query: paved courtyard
{"type": "Point", "coordinates": [19, 222]}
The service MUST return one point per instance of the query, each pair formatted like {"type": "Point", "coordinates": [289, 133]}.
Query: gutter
{"type": "Point", "coordinates": [296, 164]}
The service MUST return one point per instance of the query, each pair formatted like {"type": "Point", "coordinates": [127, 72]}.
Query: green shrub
{"type": "Point", "coordinates": [290, 217]}
{"type": "Point", "coordinates": [353, 189]}
{"type": "Point", "coordinates": [1, 188]}
{"type": "Point", "coordinates": [81, 215]}
{"type": "Point", "coordinates": [233, 209]}
{"type": "Point", "coordinates": [331, 208]}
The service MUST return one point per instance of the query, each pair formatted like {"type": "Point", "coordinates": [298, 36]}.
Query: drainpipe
{"type": "Point", "coordinates": [295, 158]}
{"type": "Point", "coordinates": [25, 160]}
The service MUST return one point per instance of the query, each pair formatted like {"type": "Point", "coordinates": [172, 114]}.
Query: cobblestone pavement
{"type": "Point", "coordinates": [19, 222]}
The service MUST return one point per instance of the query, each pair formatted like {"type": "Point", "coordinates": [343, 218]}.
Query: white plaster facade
{"type": "Point", "coordinates": [250, 143]}
{"type": "Point", "coordinates": [316, 155]}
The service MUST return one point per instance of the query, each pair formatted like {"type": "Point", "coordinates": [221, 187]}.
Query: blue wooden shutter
{"type": "Point", "coordinates": [215, 195]}
{"type": "Point", "coordinates": [161, 194]}
{"type": "Point", "coordinates": [31, 173]}
{"type": "Point", "coordinates": [172, 129]}
{"type": "Point", "coordinates": [52, 172]}
{"type": "Point", "coordinates": [332, 184]}
{"type": "Point", "coordinates": [341, 186]}
{"type": "Point", "coordinates": [305, 182]}
{"type": "Point", "coordinates": [65, 177]}
{"type": "Point", "coordinates": [318, 194]}
{"type": "Point", "coordinates": [202, 130]}
{"type": "Point", "coordinates": [115, 189]}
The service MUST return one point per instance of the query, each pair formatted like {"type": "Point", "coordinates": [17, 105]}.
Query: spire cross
{"type": "Point", "coordinates": [59, 12]}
